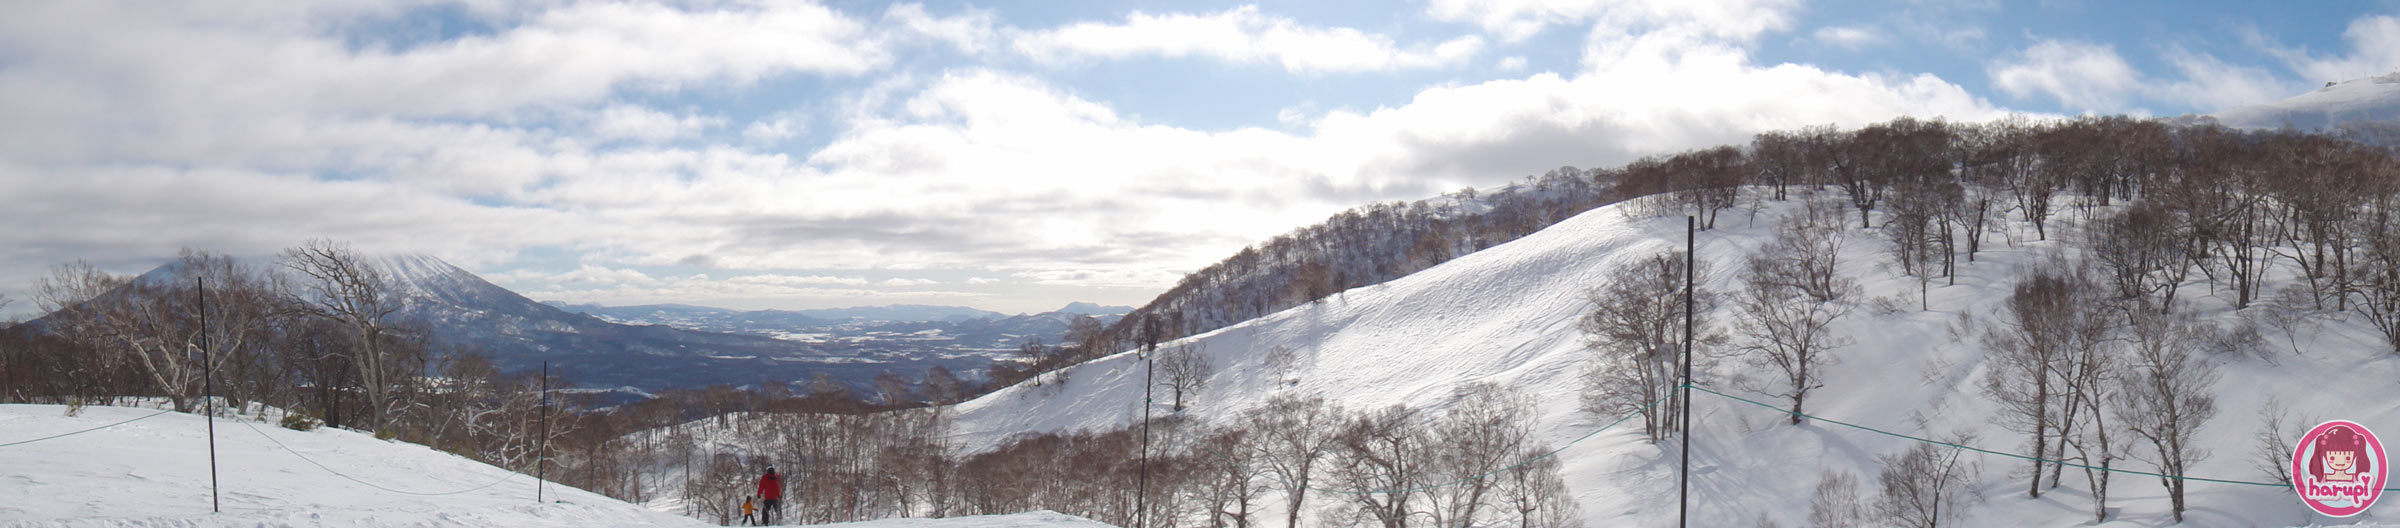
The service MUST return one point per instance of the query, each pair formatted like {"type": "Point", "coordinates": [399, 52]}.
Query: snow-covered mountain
{"type": "Point", "coordinates": [2369, 99]}
{"type": "Point", "coordinates": [461, 309]}
{"type": "Point", "coordinates": [1508, 315]}
{"type": "Point", "coordinates": [154, 472]}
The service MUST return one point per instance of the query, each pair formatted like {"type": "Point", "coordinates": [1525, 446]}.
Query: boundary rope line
{"type": "Point", "coordinates": [63, 435]}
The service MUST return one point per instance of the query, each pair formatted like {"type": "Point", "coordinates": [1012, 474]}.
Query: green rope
{"type": "Point", "coordinates": [63, 435]}
{"type": "Point", "coordinates": [1535, 458]}
{"type": "Point", "coordinates": [1988, 451]}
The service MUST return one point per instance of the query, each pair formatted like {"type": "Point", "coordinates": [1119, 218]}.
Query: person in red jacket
{"type": "Point", "coordinates": [770, 487]}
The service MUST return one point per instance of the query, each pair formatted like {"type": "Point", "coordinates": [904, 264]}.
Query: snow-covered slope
{"type": "Point", "coordinates": [1507, 315]}
{"type": "Point", "coordinates": [2373, 98]}
{"type": "Point", "coordinates": [1039, 519]}
{"type": "Point", "coordinates": [154, 473]}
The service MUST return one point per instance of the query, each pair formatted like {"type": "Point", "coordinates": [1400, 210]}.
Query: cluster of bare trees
{"type": "Point", "coordinates": [2069, 358]}
{"type": "Point", "coordinates": [1472, 464]}
{"type": "Point", "coordinates": [1636, 332]}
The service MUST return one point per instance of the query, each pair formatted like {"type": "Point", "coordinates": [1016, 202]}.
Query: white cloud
{"type": "Point", "coordinates": [2375, 50]}
{"type": "Point", "coordinates": [797, 280]}
{"type": "Point", "coordinates": [2211, 85]}
{"type": "Point", "coordinates": [901, 282]}
{"type": "Point", "coordinates": [599, 275]}
{"type": "Point", "coordinates": [1510, 64]}
{"type": "Point", "coordinates": [2082, 76]}
{"type": "Point", "coordinates": [970, 171]}
{"type": "Point", "coordinates": [969, 33]}
{"type": "Point", "coordinates": [773, 129]}
{"type": "Point", "coordinates": [982, 280]}
{"type": "Point", "coordinates": [1241, 35]}
{"type": "Point", "coordinates": [624, 121]}
{"type": "Point", "coordinates": [1847, 37]}
{"type": "Point", "coordinates": [1516, 20]}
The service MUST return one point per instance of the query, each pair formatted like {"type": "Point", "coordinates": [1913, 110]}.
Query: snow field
{"type": "Point", "coordinates": [154, 472]}
{"type": "Point", "coordinates": [1507, 315]}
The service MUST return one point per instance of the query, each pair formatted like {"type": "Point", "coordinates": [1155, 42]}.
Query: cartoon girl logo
{"type": "Point", "coordinates": [2338, 468]}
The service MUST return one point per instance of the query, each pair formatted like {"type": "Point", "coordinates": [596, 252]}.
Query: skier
{"type": "Point", "coordinates": [770, 487]}
{"type": "Point", "coordinates": [748, 508]}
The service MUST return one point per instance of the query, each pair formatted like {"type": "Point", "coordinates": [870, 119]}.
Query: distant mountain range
{"type": "Point", "coordinates": [638, 349]}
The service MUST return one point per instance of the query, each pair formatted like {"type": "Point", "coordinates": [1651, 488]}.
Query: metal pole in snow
{"type": "Point", "coordinates": [208, 394]}
{"type": "Point", "coordinates": [1141, 510]}
{"type": "Point", "coordinates": [541, 466]}
{"type": "Point", "coordinates": [1683, 497]}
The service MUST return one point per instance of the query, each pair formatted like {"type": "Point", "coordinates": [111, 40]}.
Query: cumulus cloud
{"type": "Point", "coordinates": [1242, 35]}
{"type": "Point", "coordinates": [2080, 75]}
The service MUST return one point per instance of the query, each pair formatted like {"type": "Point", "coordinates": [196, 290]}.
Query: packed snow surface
{"type": "Point", "coordinates": [1035, 519]}
{"type": "Point", "coordinates": [154, 472]}
{"type": "Point", "coordinates": [1507, 315]}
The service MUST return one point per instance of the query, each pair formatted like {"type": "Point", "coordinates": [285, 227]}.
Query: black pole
{"type": "Point", "coordinates": [541, 467]}
{"type": "Point", "coordinates": [208, 393]}
{"type": "Point", "coordinates": [1141, 499]}
{"type": "Point", "coordinates": [1683, 497]}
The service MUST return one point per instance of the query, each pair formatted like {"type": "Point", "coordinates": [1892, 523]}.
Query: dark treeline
{"type": "Point", "coordinates": [1359, 247]}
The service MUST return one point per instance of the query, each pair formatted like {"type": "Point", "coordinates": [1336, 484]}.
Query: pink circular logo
{"type": "Point", "coordinates": [2338, 468]}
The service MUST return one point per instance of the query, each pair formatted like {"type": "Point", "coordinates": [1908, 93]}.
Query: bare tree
{"type": "Point", "coordinates": [943, 386]}
{"type": "Point", "coordinates": [1635, 329]}
{"type": "Point", "coordinates": [1186, 368]}
{"type": "Point", "coordinates": [2168, 396]}
{"type": "Point", "coordinates": [1297, 433]}
{"type": "Point", "coordinates": [1791, 335]}
{"type": "Point", "coordinates": [1479, 435]}
{"type": "Point", "coordinates": [1383, 456]}
{"type": "Point", "coordinates": [2278, 433]}
{"type": "Point", "coordinates": [1235, 478]}
{"type": "Point", "coordinates": [339, 285]}
{"type": "Point", "coordinates": [1805, 254]}
{"type": "Point", "coordinates": [1836, 504]}
{"type": "Point", "coordinates": [2141, 250]}
{"type": "Point", "coordinates": [1535, 494]}
{"type": "Point", "coordinates": [1926, 485]}
{"type": "Point", "coordinates": [2027, 345]}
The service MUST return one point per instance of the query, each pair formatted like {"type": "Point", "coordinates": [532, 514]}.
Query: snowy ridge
{"type": "Point", "coordinates": [1507, 315]}
{"type": "Point", "coordinates": [2369, 99]}
{"type": "Point", "coordinates": [154, 472]}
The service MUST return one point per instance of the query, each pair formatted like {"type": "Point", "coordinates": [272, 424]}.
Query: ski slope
{"type": "Point", "coordinates": [1038, 519]}
{"type": "Point", "coordinates": [1507, 315]}
{"type": "Point", "coordinates": [154, 472]}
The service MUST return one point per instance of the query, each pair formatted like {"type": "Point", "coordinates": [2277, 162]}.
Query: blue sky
{"type": "Point", "coordinates": [1009, 156]}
